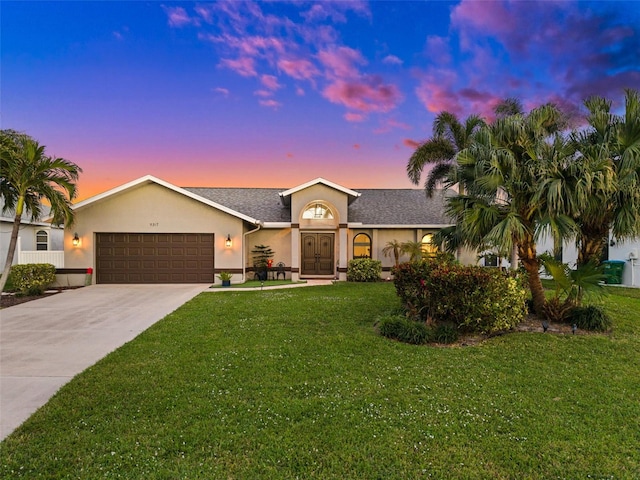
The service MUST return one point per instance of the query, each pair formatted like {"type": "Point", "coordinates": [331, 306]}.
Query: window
{"type": "Point", "coordinates": [317, 211]}
{"type": "Point", "coordinates": [361, 246]}
{"type": "Point", "coordinates": [490, 260]}
{"type": "Point", "coordinates": [42, 240]}
{"type": "Point", "coordinates": [429, 249]}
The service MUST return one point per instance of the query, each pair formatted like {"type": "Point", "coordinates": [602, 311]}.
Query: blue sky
{"type": "Point", "coordinates": [277, 93]}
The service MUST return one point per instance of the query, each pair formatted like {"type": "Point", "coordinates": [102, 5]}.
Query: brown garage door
{"type": "Point", "coordinates": [154, 257]}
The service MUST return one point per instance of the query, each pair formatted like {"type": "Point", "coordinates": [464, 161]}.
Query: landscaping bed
{"type": "Point", "coordinates": [11, 299]}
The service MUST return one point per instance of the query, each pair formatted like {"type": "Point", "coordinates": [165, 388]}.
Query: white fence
{"type": "Point", "coordinates": [54, 257]}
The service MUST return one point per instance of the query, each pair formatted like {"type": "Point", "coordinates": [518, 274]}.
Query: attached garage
{"type": "Point", "coordinates": [154, 257]}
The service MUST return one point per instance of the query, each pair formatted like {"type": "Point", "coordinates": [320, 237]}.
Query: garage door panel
{"type": "Point", "coordinates": [154, 258]}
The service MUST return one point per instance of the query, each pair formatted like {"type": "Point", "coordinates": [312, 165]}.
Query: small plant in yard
{"type": "Point", "coordinates": [570, 286]}
{"type": "Point", "coordinates": [225, 276]}
{"type": "Point", "coordinates": [445, 333]}
{"type": "Point", "coordinates": [262, 254]}
{"type": "Point", "coordinates": [364, 270]}
{"type": "Point", "coordinates": [404, 330]}
{"type": "Point", "coordinates": [591, 317]}
{"type": "Point", "coordinates": [33, 278]}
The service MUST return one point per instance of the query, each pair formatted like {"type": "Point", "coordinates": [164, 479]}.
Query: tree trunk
{"type": "Point", "coordinates": [514, 257]}
{"type": "Point", "coordinates": [528, 257]}
{"type": "Point", "coordinates": [591, 249]}
{"type": "Point", "coordinates": [12, 248]}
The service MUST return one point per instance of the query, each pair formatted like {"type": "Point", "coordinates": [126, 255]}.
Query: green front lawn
{"type": "Point", "coordinates": [259, 284]}
{"type": "Point", "coordinates": [296, 383]}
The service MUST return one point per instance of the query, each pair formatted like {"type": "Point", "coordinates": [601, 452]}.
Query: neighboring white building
{"type": "Point", "coordinates": [38, 242]}
{"type": "Point", "coordinates": [626, 252]}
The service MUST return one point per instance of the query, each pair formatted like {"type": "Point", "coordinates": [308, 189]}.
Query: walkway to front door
{"type": "Point", "coordinates": [317, 253]}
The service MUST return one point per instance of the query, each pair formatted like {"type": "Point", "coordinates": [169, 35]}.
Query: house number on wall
{"type": "Point", "coordinates": [153, 224]}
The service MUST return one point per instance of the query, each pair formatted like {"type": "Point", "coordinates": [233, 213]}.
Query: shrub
{"type": "Point", "coordinates": [405, 330]}
{"type": "Point", "coordinates": [445, 333]}
{"type": "Point", "coordinates": [364, 270]}
{"type": "Point", "coordinates": [472, 298]}
{"type": "Point", "coordinates": [33, 278]}
{"type": "Point", "coordinates": [591, 317]}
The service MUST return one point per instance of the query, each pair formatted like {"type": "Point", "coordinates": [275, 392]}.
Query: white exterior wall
{"type": "Point", "coordinates": [623, 251]}
{"type": "Point", "coordinates": [27, 240]}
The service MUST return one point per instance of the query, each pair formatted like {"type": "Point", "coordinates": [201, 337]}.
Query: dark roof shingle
{"type": "Point", "coordinates": [373, 207]}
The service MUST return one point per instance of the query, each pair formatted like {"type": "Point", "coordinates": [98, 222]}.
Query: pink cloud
{"type": "Point", "coordinates": [298, 69]}
{"type": "Point", "coordinates": [438, 50]}
{"type": "Point", "coordinates": [300, 91]}
{"type": "Point", "coordinates": [354, 117]}
{"type": "Point", "coordinates": [392, 60]}
{"type": "Point", "coordinates": [341, 62]}
{"type": "Point", "coordinates": [270, 103]}
{"type": "Point", "coordinates": [390, 124]}
{"type": "Point", "coordinates": [178, 17]}
{"type": "Point", "coordinates": [356, 146]}
{"type": "Point", "coordinates": [492, 16]}
{"type": "Point", "coordinates": [270, 82]}
{"type": "Point", "coordinates": [336, 11]}
{"type": "Point", "coordinates": [436, 92]}
{"type": "Point", "coordinates": [407, 142]}
{"type": "Point", "coordinates": [263, 93]}
{"type": "Point", "coordinates": [244, 66]}
{"type": "Point", "coordinates": [205, 13]}
{"type": "Point", "coordinates": [222, 91]}
{"type": "Point", "coordinates": [366, 95]}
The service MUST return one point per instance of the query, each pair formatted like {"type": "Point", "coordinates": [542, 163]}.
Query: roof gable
{"type": "Point", "coordinates": [147, 179]}
{"type": "Point", "coordinates": [286, 195]}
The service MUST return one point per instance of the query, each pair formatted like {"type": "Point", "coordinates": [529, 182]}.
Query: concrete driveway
{"type": "Point", "coordinates": [46, 342]}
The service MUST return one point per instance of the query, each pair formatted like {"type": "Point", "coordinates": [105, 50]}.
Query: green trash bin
{"type": "Point", "coordinates": [613, 271]}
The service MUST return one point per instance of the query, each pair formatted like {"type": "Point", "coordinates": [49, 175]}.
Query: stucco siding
{"type": "Point", "coordinates": [152, 208]}
{"type": "Point", "coordinates": [278, 239]}
{"type": "Point", "coordinates": [333, 198]}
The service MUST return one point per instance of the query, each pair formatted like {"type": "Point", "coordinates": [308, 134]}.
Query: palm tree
{"type": "Point", "coordinates": [505, 205]}
{"type": "Point", "coordinates": [449, 137]}
{"type": "Point", "coordinates": [393, 248]}
{"type": "Point", "coordinates": [608, 159]}
{"type": "Point", "coordinates": [413, 249]}
{"type": "Point", "coordinates": [28, 176]}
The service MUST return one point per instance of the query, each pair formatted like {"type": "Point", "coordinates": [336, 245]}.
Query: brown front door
{"type": "Point", "coordinates": [317, 253]}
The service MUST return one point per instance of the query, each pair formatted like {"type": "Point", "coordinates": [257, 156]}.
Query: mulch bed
{"type": "Point", "coordinates": [9, 300]}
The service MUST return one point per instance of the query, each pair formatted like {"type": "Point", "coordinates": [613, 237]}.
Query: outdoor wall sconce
{"type": "Point", "coordinates": [227, 242]}
{"type": "Point", "coordinates": [76, 240]}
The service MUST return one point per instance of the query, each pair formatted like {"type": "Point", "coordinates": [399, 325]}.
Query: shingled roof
{"type": "Point", "coordinates": [261, 203]}
{"type": "Point", "coordinates": [397, 207]}
{"type": "Point", "coordinates": [374, 206]}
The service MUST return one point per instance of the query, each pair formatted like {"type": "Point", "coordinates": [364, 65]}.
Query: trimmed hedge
{"type": "Point", "coordinates": [471, 298]}
{"type": "Point", "coordinates": [32, 278]}
{"type": "Point", "coordinates": [364, 270]}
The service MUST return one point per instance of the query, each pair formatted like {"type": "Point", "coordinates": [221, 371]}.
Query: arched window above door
{"type": "Point", "coordinates": [317, 211]}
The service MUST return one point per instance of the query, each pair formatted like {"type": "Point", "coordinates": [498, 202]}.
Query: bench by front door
{"type": "Point", "coordinates": [317, 253]}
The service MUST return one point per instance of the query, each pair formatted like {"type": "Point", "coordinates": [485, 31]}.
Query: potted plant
{"type": "Point", "coordinates": [261, 259]}
{"type": "Point", "coordinates": [226, 278]}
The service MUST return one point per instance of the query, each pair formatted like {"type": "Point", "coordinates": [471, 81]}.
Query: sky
{"type": "Point", "coordinates": [274, 94]}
